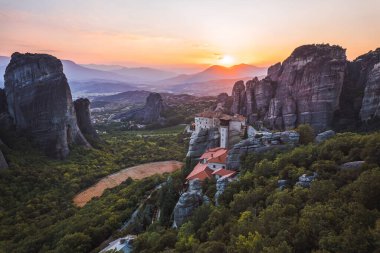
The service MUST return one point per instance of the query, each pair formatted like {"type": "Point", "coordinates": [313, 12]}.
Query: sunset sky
{"type": "Point", "coordinates": [179, 32]}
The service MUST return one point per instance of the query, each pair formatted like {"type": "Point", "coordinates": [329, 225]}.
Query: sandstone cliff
{"type": "Point", "coordinates": [188, 202]}
{"type": "Point", "coordinates": [40, 103]}
{"type": "Point", "coordinates": [315, 85]}
{"type": "Point", "coordinates": [5, 118]}
{"type": "Point", "coordinates": [82, 111]}
{"type": "Point", "coordinates": [202, 141]}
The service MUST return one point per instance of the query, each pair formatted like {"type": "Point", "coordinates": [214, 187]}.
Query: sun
{"type": "Point", "coordinates": [226, 60]}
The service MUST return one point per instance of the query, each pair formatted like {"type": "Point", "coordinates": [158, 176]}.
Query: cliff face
{"type": "Point", "coordinates": [202, 141]}
{"type": "Point", "coordinates": [5, 118]}
{"type": "Point", "coordinates": [3, 162]}
{"type": "Point", "coordinates": [315, 85]}
{"type": "Point", "coordinates": [82, 111]}
{"type": "Point", "coordinates": [40, 103]}
{"type": "Point", "coordinates": [370, 70]}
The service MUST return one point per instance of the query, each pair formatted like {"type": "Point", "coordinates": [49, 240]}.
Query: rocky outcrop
{"type": "Point", "coordinates": [202, 141]}
{"type": "Point", "coordinates": [3, 162]}
{"type": "Point", "coordinates": [315, 85]}
{"type": "Point", "coordinates": [188, 202]}
{"type": "Point", "coordinates": [356, 165]}
{"type": "Point", "coordinates": [5, 118]}
{"type": "Point", "coordinates": [358, 100]}
{"type": "Point", "coordinates": [239, 98]}
{"type": "Point", "coordinates": [149, 114]}
{"type": "Point", "coordinates": [321, 137]}
{"type": "Point", "coordinates": [305, 180]}
{"type": "Point", "coordinates": [221, 185]}
{"type": "Point", "coordinates": [82, 111]}
{"type": "Point", "coordinates": [371, 99]}
{"type": "Point", "coordinates": [40, 103]}
{"type": "Point", "coordinates": [223, 103]}
{"type": "Point", "coordinates": [260, 143]}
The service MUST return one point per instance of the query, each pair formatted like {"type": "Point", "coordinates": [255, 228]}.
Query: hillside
{"type": "Point", "coordinates": [338, 213]}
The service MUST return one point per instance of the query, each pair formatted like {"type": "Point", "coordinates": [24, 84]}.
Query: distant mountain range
{"type": "Point", "coordinates": [94, 79]}
{"type": "Point", "coordinates": [217, 72]}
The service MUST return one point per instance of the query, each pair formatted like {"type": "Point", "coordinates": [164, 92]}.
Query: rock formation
{"type": "Point", "coordinates": [239, 98]}
{"type": "Point", "coordinates": [188, 202]}
{"type": "Point", "coordinates": [260, 143]}
{"type": "Point", "coordinates": [40, 103]}
{"type": "Point", "coordinates": [221, 185]}
{"type": "Point", "coordinates": [223, 103]}
{"type": "Point", "coordinates": [5, 118]}
{"type": "Point", "coordinates": [202, 141]}
{"type": "Point", "coordinates": [305, 180]}
{"type": "Point", "coordinates": [321, 137]}
{"type": "Point", "coordinates": [315, 85]}
{"type": "Point", "coordinates": [151, 113]}
{"type": "Point", "coordinates": [356, 165]}
{"type": "Point", "coordinates": [82, 111]}
{"type": "Point", "coordinates": [3, 162]}
{"type": "Point", "coordinates": [358, 100]}
{"type": "Point", "coordinates": [371, 99]}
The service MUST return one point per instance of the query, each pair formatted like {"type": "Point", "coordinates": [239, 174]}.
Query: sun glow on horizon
{"type": "Point", "coordinates": [226, 60]}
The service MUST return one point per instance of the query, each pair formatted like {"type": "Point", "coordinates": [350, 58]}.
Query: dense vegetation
{"type": "Point", "coordinates": [338, 213]}
{"type": "Point", "coordinates": [36, 209]}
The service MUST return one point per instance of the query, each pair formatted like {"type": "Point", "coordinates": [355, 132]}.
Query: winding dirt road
{"type": "Point", "coordinates": [113, 180]}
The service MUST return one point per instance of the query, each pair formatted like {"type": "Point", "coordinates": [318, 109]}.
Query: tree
{"type": "Point", "coordinates": [307, 134]}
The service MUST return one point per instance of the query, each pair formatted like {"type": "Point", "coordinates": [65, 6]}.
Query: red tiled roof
{"type": "Point", "coordinates": [201, 171]}
{"type": "Point", "coordinates": [215, 155]}
{"type": "Point", "coordinates": [224, 172]}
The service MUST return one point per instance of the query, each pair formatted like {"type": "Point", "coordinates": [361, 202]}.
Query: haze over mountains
{"type": "Point", "coordinates": [93, 79]}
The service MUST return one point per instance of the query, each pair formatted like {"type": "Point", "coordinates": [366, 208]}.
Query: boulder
{"type": "Point", "coordinates": [305, 180]}
{"type": "Point", "coordinates": [83, 115]}
{"type": "Point", "coordinates": [188, 202]}
{"type": "Point", "coordinates": [356, 165]}
{"type": "Point", "coordinates": [40, 103]}
{"type": "Point", "coordinates": [321, 137]}
{"type": "Point", "coordinates": [282, 183]}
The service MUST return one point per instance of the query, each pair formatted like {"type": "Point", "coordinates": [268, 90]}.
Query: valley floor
{"type": "Point", "coordinates": [115, 179]}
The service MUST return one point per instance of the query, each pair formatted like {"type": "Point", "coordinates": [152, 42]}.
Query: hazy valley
{"type": "Point", "coordinates": [165, 126]}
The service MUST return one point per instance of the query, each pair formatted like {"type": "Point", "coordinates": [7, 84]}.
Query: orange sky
{"type": "Point", "coordinates": [181, 32]}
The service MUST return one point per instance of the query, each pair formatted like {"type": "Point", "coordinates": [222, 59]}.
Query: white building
{"type": "Point", "coordinates": [206, 120]}
{"type": "Point", "coordinates": [230, 127]}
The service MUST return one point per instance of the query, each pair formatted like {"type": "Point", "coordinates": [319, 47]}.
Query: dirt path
{"type": "Point", "coordinates": [113, 180]}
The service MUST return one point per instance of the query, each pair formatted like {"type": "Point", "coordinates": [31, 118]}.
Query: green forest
{"type": "Point", "coordinates": [36, 209]}
{"type": "Point", "coordinates": [338, 213]}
